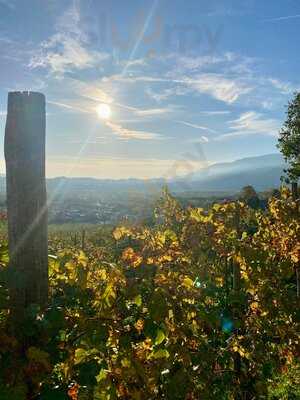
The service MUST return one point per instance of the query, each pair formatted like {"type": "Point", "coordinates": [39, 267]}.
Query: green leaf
{"type": "Point", "coordinates": [101, 376]}
{"type": "Point", "coordinates": [138, 300]}
{"type": "Point", "coordinates": [160, 337]}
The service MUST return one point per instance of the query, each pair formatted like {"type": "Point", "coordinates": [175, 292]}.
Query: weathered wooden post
{"type": "Point", "coordinates": [26, 201]}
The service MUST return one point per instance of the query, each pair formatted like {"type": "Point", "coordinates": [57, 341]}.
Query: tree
{"type": "Point", "coordinates": [249, 196]}
{"type": "Point", "coordinates": [289, 142]}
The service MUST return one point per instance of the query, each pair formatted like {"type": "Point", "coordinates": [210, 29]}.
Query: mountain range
{"type": "Point", "coordinates": [262, 172]}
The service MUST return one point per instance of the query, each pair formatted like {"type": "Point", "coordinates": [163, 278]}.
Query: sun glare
{"type": "Point", "coordinates": [104, 111]}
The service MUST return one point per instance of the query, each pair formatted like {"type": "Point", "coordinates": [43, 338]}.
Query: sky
{"type": "Point", "coordinates": [186, 83]}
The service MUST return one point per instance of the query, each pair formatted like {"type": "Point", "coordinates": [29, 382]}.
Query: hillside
{"type": "Point", "coordinates": [261, 172]}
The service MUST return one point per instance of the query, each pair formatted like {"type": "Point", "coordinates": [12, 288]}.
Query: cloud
{"type": "Point", "coordinates": [201, 139]}
{"type": "Point", "coordinates": [230, 78]}
{"type": "Point", "coordinates": [96, 92]}
{"type": "Point", "coordinates": [164, 94]}
{"type": "Point", "coordinates": [227, 90]}
{"type": "Point", "coordinates": [252, 123]}
{"type": "Point", "coordinates": [138, 62]}
{"type": "Point", "coordinates": [70, 107]}
{"type": "Point", "coordinates": [226, 78]}
{"type": "Point", "coordinates": [283, 87]}
{"type": "Point", "coordinates": [282, 18]}
{"type": "Point", "coordinates": [213, 113]}
{"type": "Point", "coordinates": [136, 78]}
{"type": "Point", "coordinates": [77, 96]}
{"type": "Point", "coordinates": [195, 126]}
{"type": "Point", "coordinates": [96, 140]}
{"type": "Point", "coordinates": [153, 111]}
{"type": "Point", "coordinates": [84, 97]}
{"type": "Point", "coordinates": [127, 134]}
{"type": "Point", "coordinates": [221, 88]}
{"type": "Point", "coordinates": [186, 63]}
{"type": "Point", "coordinates": [68, 49]}
{"type": "Point", "coordinates": [149, 112]}
{"type": "Point", "coordinates": [61, 54]}
{"type": "Point", "coordinates": [90, 90]}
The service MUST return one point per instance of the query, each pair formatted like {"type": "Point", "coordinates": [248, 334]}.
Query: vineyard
{"type": "Point", "coordinates": [200, 305]}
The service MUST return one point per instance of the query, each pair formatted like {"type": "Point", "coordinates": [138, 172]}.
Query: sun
{"type": "Point", "coordinates": [103, 111]}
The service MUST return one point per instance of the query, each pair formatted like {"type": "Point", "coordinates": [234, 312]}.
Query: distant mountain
{"type": "Point", "coordinates": [261, 172]}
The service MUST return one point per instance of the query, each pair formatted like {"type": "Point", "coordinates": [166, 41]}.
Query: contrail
{"type": "Point", "coordinates": [282, 18]}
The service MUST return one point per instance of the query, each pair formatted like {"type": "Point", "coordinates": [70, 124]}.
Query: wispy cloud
{"type": "Point", "coordinates": [70, 107]}
{"type": "Point", "coordinates": [127, 134]}
{"type": "Point", "coordinates": [283, 87]}
{"type": "Point", "coordinates": [149, 112]}
{"type": "Point", "coordinates": [251, 123]}
{"type": "Point", "coordinates": [188, 63]}
{"type": "Point", "coordinates": [202, 139]}
{"type": "Point", "coordinates": [221, 88]}
{"type": "Point", "coordinates": [154, 111]}
{"type": "Point", "coordinates": [165, 93]}
{"type": "Point", "coordinates": [226, 77]}
{"type": "Point", "coordinates": [68, 49]}
{"type": "Point", "coordinates": [91, 90]}
{"type": "Point", "coordinates": [229, 78]}
{"type": "Point", "coordinates": [214, 113]}
{"type": "Point", "coordinates": [195, 126]}
{"type": "Point", "coordinates": [84, 97]}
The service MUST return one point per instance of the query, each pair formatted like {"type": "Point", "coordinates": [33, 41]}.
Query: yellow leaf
{"type": "Point", "coordinates": [82, 258]}
{"type": "Point", "coordinates": [125, 362]}
{"type": "Point", "coordinates": [251, 291]}
{"type": "Point", "coordinates": [254, 306]}
{"type": "Point", "coordinates": [161, 353]}
{"type": "Point", "coordinates": [219, 281]}
{"type": "Point", "coordinates": [188, 282]}
{"type": "Point", "coordinates": [80, 355]}
{"type": "Point", "coordinates": [139, 325]}
{"type": "Point", "coordinates": [120, 232]}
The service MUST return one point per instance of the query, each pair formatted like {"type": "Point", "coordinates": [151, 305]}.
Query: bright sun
{"type": "Point", "coordinates": [104, 111]}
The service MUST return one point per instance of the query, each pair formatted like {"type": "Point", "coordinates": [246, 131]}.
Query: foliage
{"type": "Point", "coordinates": [289, 139]}
{"type": "Point", "coordinates": [202, 305]}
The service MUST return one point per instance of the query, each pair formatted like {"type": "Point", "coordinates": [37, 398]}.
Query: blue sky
{"type": "Point", "coordinates": [188, 83]}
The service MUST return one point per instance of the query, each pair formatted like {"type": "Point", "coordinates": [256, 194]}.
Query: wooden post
{"type": "Point", "coordinates": [26, 201]}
